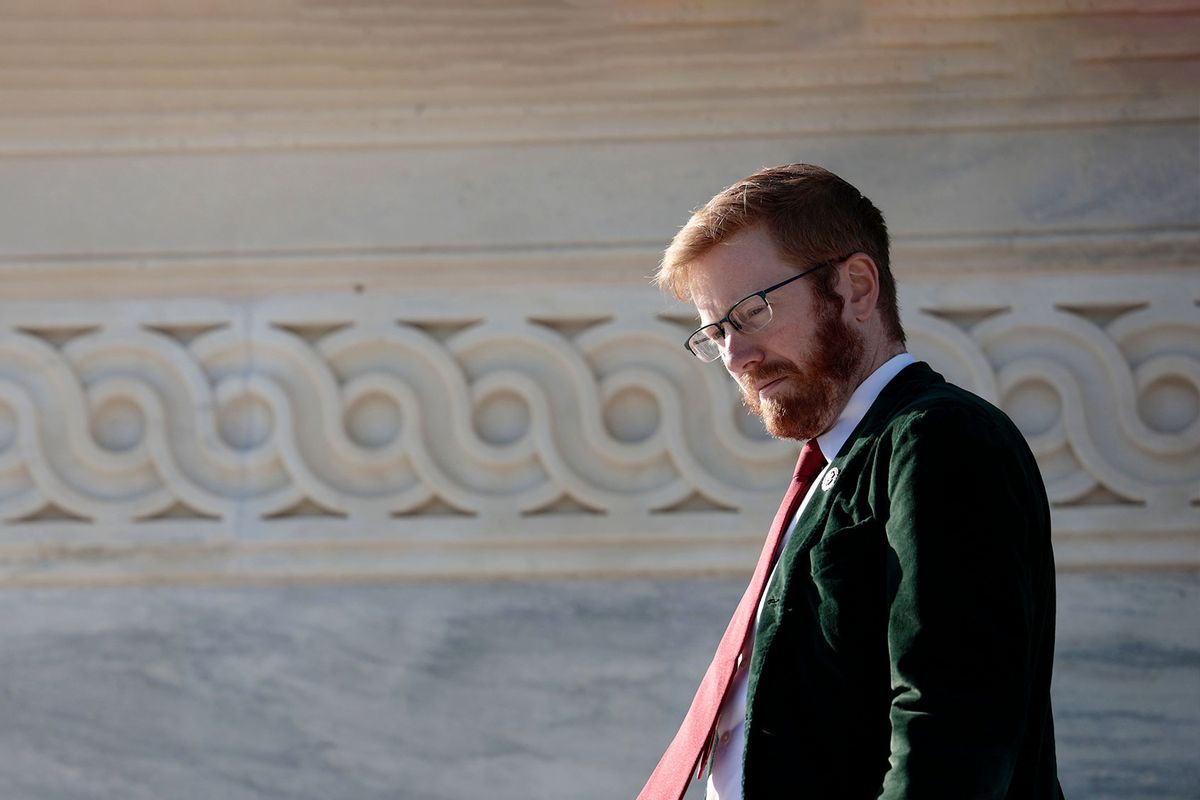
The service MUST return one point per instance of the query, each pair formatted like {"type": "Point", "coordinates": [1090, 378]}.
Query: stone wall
{"type": "Point", "coordinates": [345, 450]}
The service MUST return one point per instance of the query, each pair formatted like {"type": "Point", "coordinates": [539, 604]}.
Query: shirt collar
{"type": "Point", "coordinates": [831, 441]}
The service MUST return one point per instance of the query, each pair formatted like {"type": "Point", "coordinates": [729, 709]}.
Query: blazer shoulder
{"type": "Point", "coordinates": [921, 400]}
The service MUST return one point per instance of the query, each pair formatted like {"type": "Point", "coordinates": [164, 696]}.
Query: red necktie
{"type": "Point", "coordinates": [688, 753]}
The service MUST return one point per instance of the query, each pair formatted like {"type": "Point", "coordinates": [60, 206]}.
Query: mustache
{"type": "Point", "coordinates": [763, 375]}
{"type": "Point", "coordinates": [766, 373]}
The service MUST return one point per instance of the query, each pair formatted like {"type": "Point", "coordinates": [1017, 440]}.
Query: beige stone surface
{"type": "Point", "coordinates": [351, 299]}
{"type": "Point", "coordinates": [515, 690]}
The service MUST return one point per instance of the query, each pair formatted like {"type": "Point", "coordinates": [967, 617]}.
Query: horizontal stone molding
{"type": "Point", "coordinates": [594, 123]}
{"type": "Point", "coordinates": [955, 260]}
{"type": "Point", "coordinates": [517, 432]}
{"type": "Point", "coordinates": [286, 74]}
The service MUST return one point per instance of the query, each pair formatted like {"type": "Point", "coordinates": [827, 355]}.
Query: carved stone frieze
{"type": "Point", "coordinates": [569, 429]}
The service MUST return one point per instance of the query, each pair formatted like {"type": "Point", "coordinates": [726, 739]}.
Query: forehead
{"type": "Point", "coordinates": [745, 263]}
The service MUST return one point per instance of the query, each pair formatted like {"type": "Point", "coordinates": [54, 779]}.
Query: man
{"type": "Point", "coordinates": [898, 636]}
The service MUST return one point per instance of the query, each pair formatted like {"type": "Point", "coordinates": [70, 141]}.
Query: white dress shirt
{"type": "Point", "coordinates": [725, 781]}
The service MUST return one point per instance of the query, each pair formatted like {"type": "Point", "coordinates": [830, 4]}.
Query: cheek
{"type": "Point", "coordinates": [788, 344]}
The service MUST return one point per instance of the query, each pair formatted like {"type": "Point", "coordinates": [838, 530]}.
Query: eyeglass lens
{"type": "Point", "coordinates": [749, 316]}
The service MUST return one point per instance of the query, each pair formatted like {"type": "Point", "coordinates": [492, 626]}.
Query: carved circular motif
{"type": "Point", "coordinates": [8, 426]}
{"type": "Point", "coordinates": [373, 420]}
{"type": "Point", "coordinates": [750, 424]}
{"type": "Point", "coordinates": [245, 421]}
{"type": "Point", "coordinates": [502, 417]}
{"type": "Point", "coordinates": [1169, 404]}
{"type": "Point", "coordinates": [118, 424]}
{"type": "Point", "coordinates": [1034, 406]}
{"type": "Point", "coordinates": [632, 415]}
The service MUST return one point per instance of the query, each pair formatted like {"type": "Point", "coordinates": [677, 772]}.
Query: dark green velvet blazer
{"type": "Point", "coordinates": [906, 640]}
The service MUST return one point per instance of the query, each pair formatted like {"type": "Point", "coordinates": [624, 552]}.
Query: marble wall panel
{"type": "Point", "coordinates": [510, 691]}
{"type": "Point", "coordinates": [1103, 179]}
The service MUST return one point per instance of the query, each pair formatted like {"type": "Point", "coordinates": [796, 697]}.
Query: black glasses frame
{"type": "Point", "coordinates": [687, 343]}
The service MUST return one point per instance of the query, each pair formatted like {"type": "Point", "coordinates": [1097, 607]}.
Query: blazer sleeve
{"type": "Point", "coordinates": [964, 514]}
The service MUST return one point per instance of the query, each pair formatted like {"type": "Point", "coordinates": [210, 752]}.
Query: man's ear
{"type": "Point", "coordinates": [863, 281]}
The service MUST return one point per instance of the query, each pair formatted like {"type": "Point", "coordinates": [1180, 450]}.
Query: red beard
{"type": "Point", "coordinates": [816, 392]}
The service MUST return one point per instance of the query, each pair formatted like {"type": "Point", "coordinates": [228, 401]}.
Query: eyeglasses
{"type": "Point", "coordinates": [749, 315]}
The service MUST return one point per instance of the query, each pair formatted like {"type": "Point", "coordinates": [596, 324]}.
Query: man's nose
{"type": "Point", "coordinates": [740, 353]}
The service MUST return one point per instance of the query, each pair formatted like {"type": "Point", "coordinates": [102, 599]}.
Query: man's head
{"type": "Point", "coordinates": [827, 331]}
